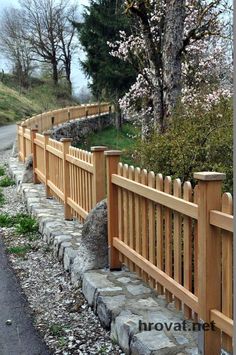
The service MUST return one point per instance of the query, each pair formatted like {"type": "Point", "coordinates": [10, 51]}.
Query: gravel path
{"type": "Point", "coordinates": [61, 314]}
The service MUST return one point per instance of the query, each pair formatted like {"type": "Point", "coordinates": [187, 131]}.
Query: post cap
{"type": "Point", "coordinates": [209, 176]}
{"type": "Point", "coordinates": [23, 124]}
{"type": "Point", "coordinates": [112, 152]}
{"type": "Point", "coordinates": [98, 148]}
{"type": "Point", "coordinates": [64, 140]}
{"type": "Point", "coordinates": [47, 133]}
{"type": "Point", "coordinates": [34, 129]}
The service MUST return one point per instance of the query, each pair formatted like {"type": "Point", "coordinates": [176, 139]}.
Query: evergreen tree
{"type": "Point", "coordinates": [110, 77]}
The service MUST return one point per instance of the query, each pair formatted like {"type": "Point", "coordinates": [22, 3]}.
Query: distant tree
{"type": "Point", "coordinates": [48, 30]}
{"type": "Point", "coordinates": [101, 23]}
{"type": "Point", "coordinates": [15, 47]}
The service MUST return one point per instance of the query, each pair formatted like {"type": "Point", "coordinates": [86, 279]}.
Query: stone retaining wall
{"type": "Point", "coordinates": [120, 299]}
{"type": "Point", "coordinates": [79, 129]}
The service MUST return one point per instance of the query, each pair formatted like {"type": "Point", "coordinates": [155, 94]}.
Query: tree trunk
{"type": "Point", "coordinates": [54, 72]}
{"type": "Point", "coordinates": [171, 54]}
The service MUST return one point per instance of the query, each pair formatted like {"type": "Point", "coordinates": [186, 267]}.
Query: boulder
{"type": "Point", "coordinates": [28, 172]}
{"type": "Point", "coordinates": [93, 250]}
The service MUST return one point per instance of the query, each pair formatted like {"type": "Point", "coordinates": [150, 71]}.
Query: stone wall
{"type": "Point", "coordinates": [79, 129]}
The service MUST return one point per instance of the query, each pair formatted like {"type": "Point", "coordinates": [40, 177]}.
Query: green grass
{"type": "Point", "coordinates": [16, 104]}
{"type": "Point", "coordinates": [2, 171]}
{"type": "Point", "coordinates": [2, 198]}
{"type": "Point", "coordinates": [113, 139]}
{"type": "Point", "coordinates": [23, 223]}
{"type": "Point", "coordinates": [56, 329]}
{"type": "Point", "coordinates": [19, 250]}
{"type": "Point", "coordinates": [6, 181]}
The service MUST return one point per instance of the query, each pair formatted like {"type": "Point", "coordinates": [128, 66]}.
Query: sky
{"type": "Point", "coordinates": [77, 76]}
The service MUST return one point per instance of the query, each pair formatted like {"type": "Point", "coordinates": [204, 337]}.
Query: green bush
{"type": "Point", "coordinates": [195, 140]}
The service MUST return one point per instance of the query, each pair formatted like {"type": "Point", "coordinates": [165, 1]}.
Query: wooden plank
{"type": "Point", "coordinates": [151, 227]}
{"type": "Point", "coordinates": [54, 151]}
{"type": "Point", "coordinates": [222, 220]}
{"type": "Point", "coordinates": [188, 208]}
{"type": "Point", "coordinates": [55, 189]}
{"type": "Point", "coordinates": [77, 208]}
{"type": "Point", "coordinates": [144, 224]}
{"type": "Point", "coordinates": [120, 209]}
{"type": "Point", "coordinates": [222, 322]}
{"type": "Point", "coordinates": [168, 236]}
{"type": "Point", "coordinates": [187, 255]}
{"type": "Point", "coordinates": [177, 243]}
{"type": "Point", "coordinates": [40, 175]}
{"type": "Point", "coordinates": [159, 275]}
{"type": "Point", "coordinates": [159, 232]}
{"type": "Point", "coordinates": [126, 213]}
{"type": "Point", "coordinates": [137, 224]}
{"type": "Point", "coordinates": [227, 270]}
{"type": "Point", "coordinates": [131, 215]}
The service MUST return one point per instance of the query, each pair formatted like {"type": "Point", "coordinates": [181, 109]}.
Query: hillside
{"type": "Point", "coordinates": [16, 104]}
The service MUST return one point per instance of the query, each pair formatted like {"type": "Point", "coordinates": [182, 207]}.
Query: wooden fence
{"type": "Point", "coordinates": [74, 176]}
{"type": "Point", "coordinates": [179, 239]}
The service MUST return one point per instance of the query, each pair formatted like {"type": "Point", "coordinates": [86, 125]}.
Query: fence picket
{"type": "Point", "coordinates": [168, 236]}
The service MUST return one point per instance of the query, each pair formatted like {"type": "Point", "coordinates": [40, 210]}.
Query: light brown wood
{"type": "Point", "coordinates": [168, 236]}
{"type": "Point", "coordinates": [151, 227]}
{"type": "Point", "coordinates": [112, 209]}
{"type": "Point", "coordinates": [137, 226]}
{"type": "Point", "coordinates": [120, 210]}
{"type": "Point", "coordinates": [126, 211]}
{"type": "Point", "coordinates": [46, 160]}
{"type": "Point", "coordinates": [99, 174]}
{"type": "Point", "coordinates": [160, 276]}
{"type": "Point", "coordinates": [77, 208]}
{"type": "Point", "coordinates": [55, 189]}
{"type": "Point", "coordinates": [159, 232]}
{"type": "Point", "coordinates": [222, 220]}
{"type": "Point", "coordinates": [222, 322]}
{"type": "Point", "coordinates": [177, 242]}
{"type": "Point", "coordinates": [177, 204]}
{"type": "Point", "coordinates": [66, 178]}
{"type": "Point", "coordinates": [209, 260]}
{"type": "Point", "coordinates": [144, 223]}
{"type": "Point", "coordinates": [187, 255]}
{"type": "Point", "coordinates": [227, 270]}
{"type": "Point", "coordinates": [131, 216]}
{"type": "Point", "coordinates": [33, 150]}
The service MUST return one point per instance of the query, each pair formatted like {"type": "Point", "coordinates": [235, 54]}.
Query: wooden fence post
{"type": "Point", "coordinates": [33, 132]}
{"type": "Point", "coordinates": [99, 173]}
{"type": "Point", "coordinates": [112, 160]}
{"type": "Point", "coordinates": [66, 177]}
{"type": "Point", "coordinates": [24, 126]}
{"type": "Point", "coordinates": [209, 259]}
{"type": "Point", "coordinates": [18, 139]}
{"type": "Point", "coordinates": [46, 163]}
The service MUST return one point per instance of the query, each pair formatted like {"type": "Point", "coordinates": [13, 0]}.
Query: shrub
{"type": "Point", "coordinates": [23, 223]}
{"type": "Point", "coordinates": [19, 250]}
{"type": "Point", "coordinates": [2, 198]}
{"type": "Point", "coordinates": [194, 141]}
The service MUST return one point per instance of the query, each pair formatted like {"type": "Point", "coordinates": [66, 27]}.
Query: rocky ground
{"type": "Point", "coordinates": [60, 312]}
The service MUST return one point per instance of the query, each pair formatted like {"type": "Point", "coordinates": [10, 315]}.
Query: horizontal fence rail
{"type": "Point", "coordinates": [47, 120]}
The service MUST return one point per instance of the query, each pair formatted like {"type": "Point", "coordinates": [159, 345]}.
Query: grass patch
{"type": "Point", "coordinates": [113, 139]}
{"type": "Point", "coordinates": [2, 171]}
{"type": "Point", "coordinates": [2, 198]}
{"type": "Point", "coordinates": [6, 181]}
{"type": "Point", "coordinates": [23, 223]}
{"type": "Point", "coordinates": [19, 250]}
